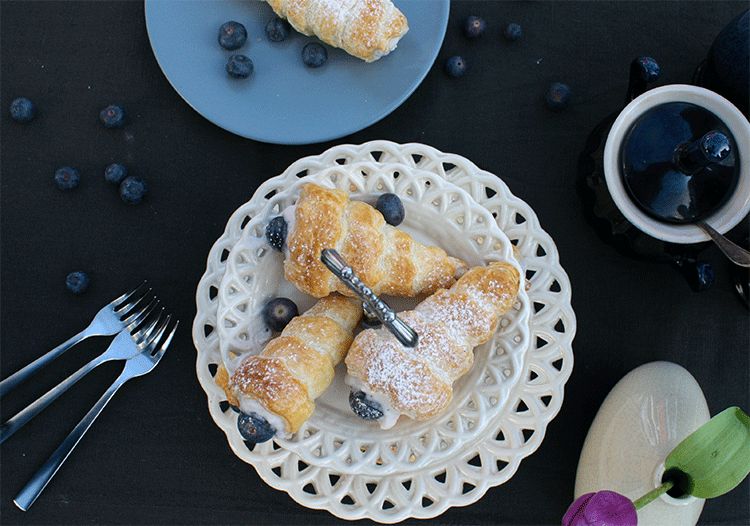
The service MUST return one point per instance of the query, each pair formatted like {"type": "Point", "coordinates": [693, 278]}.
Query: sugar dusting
{"type": "Point", "coordinates": [418, 382]}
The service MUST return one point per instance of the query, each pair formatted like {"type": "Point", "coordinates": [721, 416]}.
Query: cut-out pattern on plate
{"type": "Point", "coordinates": [426, 468]}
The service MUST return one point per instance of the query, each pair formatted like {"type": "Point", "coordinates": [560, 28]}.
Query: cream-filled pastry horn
{"type": "Point", "coordinates": [384, 257]}
{"type": "Point", "coordinates": [366, 29]}
{"type": "Point", "coordinates": [276, 389]}
{"type": "Point", "coordinates": [389, 379]}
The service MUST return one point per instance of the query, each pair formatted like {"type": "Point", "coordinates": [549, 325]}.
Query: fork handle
{"type": "Point", "coordinates": [21, 418]}
{"type": "Point", "coordinates": [34, 488]}
{"type": "Point", "coordinates": [21, 375]}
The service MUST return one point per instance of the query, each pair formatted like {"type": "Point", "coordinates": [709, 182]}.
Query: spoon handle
{"type": "Point", "coordinates": [738, 255]}
{"type": "Point", "coordinates": [336, 264]}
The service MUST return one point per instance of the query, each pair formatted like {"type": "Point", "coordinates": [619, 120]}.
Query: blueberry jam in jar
{"type": "Point", "coordinates": [666, 184]}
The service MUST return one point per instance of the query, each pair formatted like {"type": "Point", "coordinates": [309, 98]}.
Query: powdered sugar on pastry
{"type": "Point", "coordinates": [367, 29]}
{"type": "Point", "coordinates": [282, 382]}
{"type": "Point", "coordinates": [419, 382]}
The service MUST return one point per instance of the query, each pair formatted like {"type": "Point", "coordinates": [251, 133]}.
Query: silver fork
{"type": "Point", "coordinates": [129, 342]}
{"type": "Point", "coordinates": [111, 319]}
{"type": "Point", "coordinates": [136, 366]}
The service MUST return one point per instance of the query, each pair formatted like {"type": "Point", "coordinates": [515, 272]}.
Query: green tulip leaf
{"type": "Point", "coordinates": [716, 457]}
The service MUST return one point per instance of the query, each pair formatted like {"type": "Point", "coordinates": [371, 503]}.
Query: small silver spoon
{"type": "Point", "coordinates": [738, 255]}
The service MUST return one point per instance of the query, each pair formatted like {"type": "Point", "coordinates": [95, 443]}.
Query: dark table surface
{"type": "Point", "coordinates": [155, 456]}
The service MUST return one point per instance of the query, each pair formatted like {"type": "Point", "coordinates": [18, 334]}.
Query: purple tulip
{"type": "Point", "coordinates": [603, 508]}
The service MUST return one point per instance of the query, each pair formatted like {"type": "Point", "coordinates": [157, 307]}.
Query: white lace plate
{"type": "Point", "coordinates": [501, 407]}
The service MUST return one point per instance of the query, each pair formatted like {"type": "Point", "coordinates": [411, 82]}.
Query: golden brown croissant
{"type": "Point", "coordinates": [385, 258]}
{"type": "Point", "coordinates": [367, 29]}
{"type": "Point", "coordinates": [390, 378]}
{"type": "Point", "coordinates": [277, 387]}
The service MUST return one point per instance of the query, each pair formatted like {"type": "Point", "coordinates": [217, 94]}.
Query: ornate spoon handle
{"type": "Point", "coordinates": [374, 305]}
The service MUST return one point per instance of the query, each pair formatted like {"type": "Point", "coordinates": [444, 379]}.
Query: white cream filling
{"type": "Point", "coordinates": [250, 405]}
{"type": "Point", "coordinates": [289, 216]}
{"type": "Point", "coordinates": [390, 415]}
{"type": "Point", "coordinates": [392, 43]}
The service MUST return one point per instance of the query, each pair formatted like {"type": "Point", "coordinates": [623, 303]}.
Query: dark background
{"type": "Point", "coordinates": [155, 456]}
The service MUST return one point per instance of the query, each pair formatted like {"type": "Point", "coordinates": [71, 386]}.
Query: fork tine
{"type": "Point", "coordinates": [156, 357]}
{"type": "Point", "coordinates": [127, 312]}
{"type": "Point", "coordinates": [136, 318]}
{"type": "Point", "coordinates": [127, 297]}
{"type": "Point", "coordinates": [155, 336]}
{"type": "Point", "coordinates": [144, 332]}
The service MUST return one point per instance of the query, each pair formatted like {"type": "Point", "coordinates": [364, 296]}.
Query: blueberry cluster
{"type": "Point", "coordinates": [474, 27]}
{"type": "Point", "coordinates": [132, 189]}
{"type": "Point", "coordinates": [233, 36]}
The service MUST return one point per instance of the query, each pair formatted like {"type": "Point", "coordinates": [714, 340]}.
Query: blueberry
{"type": "Point", "coordinates": [365, 407]}
{"type": "Point", "coordinates": [474, 27]}
{"type": "Point", "coordinates": [278, 313]}
{"type": "Point", "coordinates": [77, 282]}
{"type": "Point", "coordinates": [133, 189]}
{"type": "Point", "coordinates": [391, 207]}
{"type": "Point", "coordinates": [558, 96]}
{"type": "Point", "coordinates": [254, 428]}
{"type": "Point", "coordinates": [699, 274]}
{"type": "Point", "coordinates": [314, 55]}
{"type": "Point", "coordinates": [512, 32]}
{"type": "Point", "coordinates": [67, 178]}
{"type": "Point", "coordinates": [455, 66]}
{"type": "Point", "coordinates": [239, 66]}
{"type": "Point", "coordinates": [648, 69]}
{"type": "Point", "coordinates": [22, 110]}
{"type": "Point", "coordinates": [278, 29]}
{"type": "Point", "coordinates": [276, 233]}
{"type": "Point", "coordinates": [113, 116]}
{"type": "Point", "coordinates": [232, 35]}
{"type": "Point", "coordinates": [115, 173]}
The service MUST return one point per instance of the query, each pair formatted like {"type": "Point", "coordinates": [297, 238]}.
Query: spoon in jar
{"type": "Point", "coordinates": [690, 187]}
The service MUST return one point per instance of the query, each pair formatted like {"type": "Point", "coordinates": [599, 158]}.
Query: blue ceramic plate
{"type": "Point", "coordinates": [283, 101]}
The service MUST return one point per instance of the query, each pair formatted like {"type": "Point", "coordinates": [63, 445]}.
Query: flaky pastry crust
{"type": "Point", "coordinates": [298, 366]}
{"type": "Point", "coordinates": [385, 258]}
{"type": "Point", "coordinates": [366, 29]}
{"type": "Point", "coordinates": [419, 382]}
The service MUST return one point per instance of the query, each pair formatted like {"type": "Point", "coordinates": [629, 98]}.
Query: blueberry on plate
{"type": "Point", "coordinates": [22, 110]}
{"type": "Point", "coordinates": [364, 406]}
{"type": "Point", "coordinates": [278, 313]}
{"type": "Point", "coordinates": [512, 32]}
{"type": "Point", "coordinates": [474, 26]}
{"type": "Point", "coordinates": [133, 189]}
{"type": "Point", "coordinates": [558, 96]}
{"type": "Point", "coordinates": [276, 233]}
{"type": "Point", "coordinates": [113, 116]}
{"type": "Point", "coordinates": [254, 428]}
{"type": "Point", "coordinates": [115, 173]}
{"type": "Point", "coordinates": [455, 66]}
{"type": "Point", "coordinates": [232, 35]}
{"type": "Point", "coordinates": [314, 55]}
{"type": "Point", "coordinates": [239, 66]}
{"type": "Point", "coordinates": [77, 282]}
{"type": "Point", "coordinates": [278, 29]}
{"type": "Point", "coordinates": [67, 178]}
{"type": "Point", "coordinates": [392, 208]}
